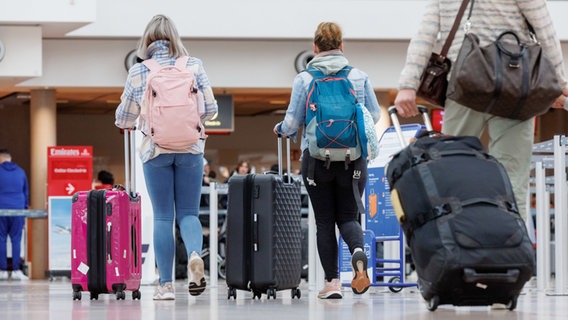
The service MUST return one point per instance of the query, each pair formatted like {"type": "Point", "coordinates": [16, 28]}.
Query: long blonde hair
{"type": "Point", "coordinates": [161, 27]}
{"type": "Point", "coordinates": [328, 36]}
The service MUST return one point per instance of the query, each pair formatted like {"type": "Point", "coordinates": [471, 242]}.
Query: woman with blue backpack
{"type": "Point", "coordinates": [324, 102]}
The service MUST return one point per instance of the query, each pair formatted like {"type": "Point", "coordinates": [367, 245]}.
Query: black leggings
{"type": "Point", "coordinates": [334, 204]}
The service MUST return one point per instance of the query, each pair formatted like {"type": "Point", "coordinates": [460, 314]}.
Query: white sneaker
{"type": "Point", "coordinates": [165, 292]}
{"type": "Point", "coordinates": [196, 273]}
{"type": "Point", "coordinates": [3, 275]}
{"type": "Point", "coordinates": [498, 306]}
{"type": "Point", "coordinates": [18, 275]}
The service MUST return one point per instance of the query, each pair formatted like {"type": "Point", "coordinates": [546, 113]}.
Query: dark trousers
{"type": "Point", "coordinates": [334, 204]}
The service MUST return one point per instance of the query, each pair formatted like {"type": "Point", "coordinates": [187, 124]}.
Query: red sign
{"type": "Point", "coordinates": [69, 169]}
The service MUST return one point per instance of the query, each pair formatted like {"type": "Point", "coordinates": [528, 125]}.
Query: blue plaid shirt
{"type": "Point", "coordinates": [128, 112]}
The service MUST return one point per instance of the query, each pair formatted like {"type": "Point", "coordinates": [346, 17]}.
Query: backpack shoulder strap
{"type": "Point", "coordinates": [181, 62]}
{"type": "Point", "coordinates": [152, 64]}
{"type": "Point", "coordinates": [316, 73]}
{"type": "Point", "coordinates": [343, 73]}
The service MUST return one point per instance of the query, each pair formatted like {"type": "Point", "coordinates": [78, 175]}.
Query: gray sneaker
{"type": "Point", "coordinates": [164, 292]}
{"type": "Point", "coordinates": [331, 290]}
{"type": "Point", "coordinates": [3, 275]}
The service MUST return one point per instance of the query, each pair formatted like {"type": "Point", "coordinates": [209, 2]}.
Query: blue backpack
{"type": "Point", "coordinates": [331, 117]}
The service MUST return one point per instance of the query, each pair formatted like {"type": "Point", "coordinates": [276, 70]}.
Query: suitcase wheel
{"type": "Point", "coordinates": [433, 303]}
{"type": "Point", "coordinates": [271, 292]}
{"type": "Point", "coordinates": [120, 295]}
{"type": "Point", "coordinates": [94, 296]}
{"type": "Point", "coordinates": [296, 293]}
{"type": "Point", "coordinates": [76, 295]}
{"type": "Point", "coordinates": [136, 295]}
{"type": "Point", "coordinates": [256, 293]}
{"type": "Point", "coordinates": [231, 293]}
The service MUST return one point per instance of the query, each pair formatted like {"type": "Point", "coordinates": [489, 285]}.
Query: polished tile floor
{"type": "Point", "coordinates": [43, 299]}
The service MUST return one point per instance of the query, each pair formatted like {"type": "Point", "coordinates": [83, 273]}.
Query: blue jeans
{"type": "Point", "coordinates": [13, 227]}
{"type": "Point", "coordinates": [173, 181]}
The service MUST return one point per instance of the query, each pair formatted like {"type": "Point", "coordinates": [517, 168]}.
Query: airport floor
{"type": "Point", "coordinates": [45, 299]}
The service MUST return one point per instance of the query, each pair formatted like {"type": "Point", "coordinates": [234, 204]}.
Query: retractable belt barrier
{"type": "Point", "coordinates": [33, 214]}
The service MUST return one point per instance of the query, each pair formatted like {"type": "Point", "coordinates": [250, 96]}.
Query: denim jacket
{"type": "Point", "coordinates": [329, 62]}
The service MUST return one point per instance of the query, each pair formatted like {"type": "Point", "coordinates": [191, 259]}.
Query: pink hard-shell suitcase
{"type": "Point", "coordinates": [106, 238]}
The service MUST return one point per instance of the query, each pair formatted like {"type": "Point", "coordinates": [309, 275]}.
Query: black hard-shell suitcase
{"type": "Point", "coordinates": [456, 206]}
{"type": "Point", "coordinates": [264, 233]}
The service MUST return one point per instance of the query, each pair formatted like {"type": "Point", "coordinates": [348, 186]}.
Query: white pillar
{"type": "Point", "coordinates": [213, 237]}
{"type": "Point", "coordinates": [560, 216]}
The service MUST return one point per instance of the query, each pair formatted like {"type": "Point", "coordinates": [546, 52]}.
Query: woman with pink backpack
{"type": "Point", "coordinates": [173, 144]}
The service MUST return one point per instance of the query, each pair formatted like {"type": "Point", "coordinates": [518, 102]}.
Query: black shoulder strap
{"type": "Point", "coordinates": [455, 26]}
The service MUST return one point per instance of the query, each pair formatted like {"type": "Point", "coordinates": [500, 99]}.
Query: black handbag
{"type": "Point", "coordinates": [434, 78]}
{"type": "Point", "coordinates": [511, 80]}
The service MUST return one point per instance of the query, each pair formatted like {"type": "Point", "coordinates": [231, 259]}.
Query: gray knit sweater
{"type": "Point", "coordinates": [489, 19]}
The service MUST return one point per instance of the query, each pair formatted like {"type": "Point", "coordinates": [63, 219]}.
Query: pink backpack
{"type": "Point", "coordinates": [171, 105]}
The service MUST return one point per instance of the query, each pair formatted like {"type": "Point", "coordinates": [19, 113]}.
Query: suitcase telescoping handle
{"type": "Point", "coordinates": [129, 167]}
{"type": "Point", "coordinates": [280, 157]}
{"type": "Point", "coordinates": [394, 118]}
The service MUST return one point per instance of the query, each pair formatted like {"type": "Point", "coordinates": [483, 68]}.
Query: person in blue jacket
{"type": "Point", "coordinates": [14, 194]}
{"type": "Point", "coordinates": [332, 195]}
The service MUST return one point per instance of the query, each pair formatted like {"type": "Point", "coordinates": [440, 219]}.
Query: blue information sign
{"type": "Point", "coordinates": [380, 215]}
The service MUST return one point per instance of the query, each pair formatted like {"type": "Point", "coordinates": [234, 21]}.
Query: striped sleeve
{"type": "Point", "coordinates": [420, 47]}
{"type": "Point", "coordinates": [537, 14]}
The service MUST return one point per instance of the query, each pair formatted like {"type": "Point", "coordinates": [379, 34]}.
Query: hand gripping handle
{"type": "Point", "coordinates": [394, 118]}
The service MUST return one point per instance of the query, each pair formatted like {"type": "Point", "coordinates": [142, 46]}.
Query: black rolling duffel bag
{"type": "Point", "coordinates": [457, 209]}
